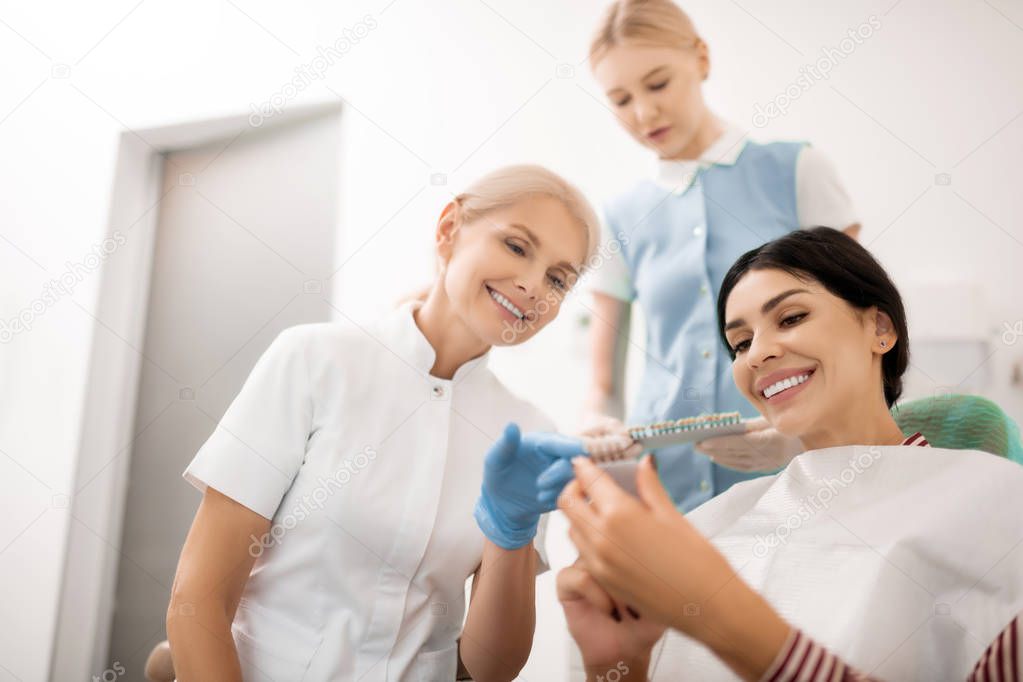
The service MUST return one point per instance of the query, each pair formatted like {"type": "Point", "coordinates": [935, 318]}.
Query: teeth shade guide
{"type": "Point", "coordinates": [609, 452]}
{"type": "Point", "coordinates": [698, 425]}
{"type": "Point", "coordinates": [662, 434]}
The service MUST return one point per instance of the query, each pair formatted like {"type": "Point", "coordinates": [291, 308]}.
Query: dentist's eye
{"type": "Point", "coordinates": [659, 86]}
{"type": "Point", "coordinates": [622, 102]}
{"type": "Point", "coordinates": [515, 248]}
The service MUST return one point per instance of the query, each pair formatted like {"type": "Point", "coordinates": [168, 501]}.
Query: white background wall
{"type": "Point", "coordinates": [456, 88]}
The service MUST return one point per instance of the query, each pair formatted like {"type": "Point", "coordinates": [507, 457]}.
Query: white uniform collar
{"type": "Point", "coordinates": [678, 175]}
{"type": "Point", "coordinates": [414, 348]}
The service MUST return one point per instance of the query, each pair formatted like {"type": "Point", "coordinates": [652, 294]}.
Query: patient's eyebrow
{"type": "Point", "coordinates": [767, 307]}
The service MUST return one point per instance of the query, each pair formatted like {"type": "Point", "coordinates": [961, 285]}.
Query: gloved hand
{"type": "Point", "coordinates": [761, 448]}
{"type": "Point", "coordinates": [601, 436]}
{"type": "Point", "coordinates": [508, 510]}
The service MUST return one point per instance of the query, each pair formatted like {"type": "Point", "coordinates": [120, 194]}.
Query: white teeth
{"type": "Point", "coordinates": [507, 304]}
{"type": "Point", "coordinates": [776, 388]}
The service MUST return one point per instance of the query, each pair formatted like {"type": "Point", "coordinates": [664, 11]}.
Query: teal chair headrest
{"type": "Point", "coordinates": [962, 422]}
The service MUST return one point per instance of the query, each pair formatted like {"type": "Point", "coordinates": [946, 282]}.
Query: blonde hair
{"type": "Point", "coordinates": [507, 186]}
{"type": "Point", "coordinates": [510, 184]}
{"type": "Point", "coordinates": [660, 23]}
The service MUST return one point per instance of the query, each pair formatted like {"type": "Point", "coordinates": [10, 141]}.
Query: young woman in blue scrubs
{"type": "Point", "coordinates": [713, 196]}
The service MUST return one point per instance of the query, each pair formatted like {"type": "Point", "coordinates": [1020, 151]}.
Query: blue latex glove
{"type": "Point", "coordinates": [508, 510]}
{"type": "Point", "coordinates": [606, 436]}
{"type": "Point", "coordinates": [552, 481]}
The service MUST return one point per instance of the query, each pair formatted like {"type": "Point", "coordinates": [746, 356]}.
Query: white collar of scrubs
{"type": "Point", "coordinates": [678, 174]}
{"type": "Point", "coordinates": [415, 349]}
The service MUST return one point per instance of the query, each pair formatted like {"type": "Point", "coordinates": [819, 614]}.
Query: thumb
{"type": "Point", "coordinates": [648, 484]}
{"type": "Point", "coordinates": [502, 452]}
{"type": "Point", "coordinates": [757, 424]}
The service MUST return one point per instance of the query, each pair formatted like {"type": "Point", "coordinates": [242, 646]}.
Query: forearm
{"type": "Point", "coordinates": [201, 642]}
{"type": "Point", "coordinates": [743, 630]}
{"type": "Point", "coordinates": [608, 342]}
{"type": "Point", "coordinates": [498, 633]}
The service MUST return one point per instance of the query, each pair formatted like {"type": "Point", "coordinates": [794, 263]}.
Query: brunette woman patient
{"type": "Point", "coordinates": [867, 555]}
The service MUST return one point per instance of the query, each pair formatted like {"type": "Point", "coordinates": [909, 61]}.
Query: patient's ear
{"type": "Point", "coordinates": [884, 332]}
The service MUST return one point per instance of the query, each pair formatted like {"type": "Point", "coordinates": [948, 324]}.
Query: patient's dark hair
{"type": "Point", "coordinates": [843, 267]}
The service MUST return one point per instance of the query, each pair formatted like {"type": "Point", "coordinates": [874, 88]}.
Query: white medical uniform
{"type": "Point", "coordinates": [368, 467]}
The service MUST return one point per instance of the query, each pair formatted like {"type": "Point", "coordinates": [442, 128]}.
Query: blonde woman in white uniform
{"type": "Point", "coordinates": [336, 529]}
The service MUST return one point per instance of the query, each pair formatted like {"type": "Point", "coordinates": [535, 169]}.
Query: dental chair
{"type": "Point", "coordinates": [962, 422]}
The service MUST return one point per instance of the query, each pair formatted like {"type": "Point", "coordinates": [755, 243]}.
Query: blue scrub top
{"type": "Point", "coordinates": [677, 247]}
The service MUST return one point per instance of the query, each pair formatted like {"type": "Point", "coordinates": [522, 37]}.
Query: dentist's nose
{"type": "Point", "coordinates": [529, 284]}
{"type": "Point", "coordinates": [527, 290]}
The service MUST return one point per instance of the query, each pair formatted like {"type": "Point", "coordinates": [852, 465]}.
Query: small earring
{"type": "Point", "coordinates": [884, 344]}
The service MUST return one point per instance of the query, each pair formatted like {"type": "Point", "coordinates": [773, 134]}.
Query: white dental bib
{"type": "Point", "coordinates": [906, 562]}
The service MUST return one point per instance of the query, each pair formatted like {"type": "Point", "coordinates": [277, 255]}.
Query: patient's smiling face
{"type": "Point", "coordinates": [803, 356]}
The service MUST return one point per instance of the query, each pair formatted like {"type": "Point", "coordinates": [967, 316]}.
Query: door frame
{"type": "Point", "coordinates": [89, 576]}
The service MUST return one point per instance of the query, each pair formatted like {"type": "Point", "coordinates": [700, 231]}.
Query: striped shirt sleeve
{"type": "Point", "coordinates": [1001, 661]}
{"type": "Point", "coordinates": [803, 660]}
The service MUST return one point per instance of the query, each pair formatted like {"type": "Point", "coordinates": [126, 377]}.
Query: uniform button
{"type": "Point", "coordinates": [706, 353]}
{"type": "Point", "coordinates": [438, 391]}
{"type": "Point", "coordinates": [697, 231]}
{"type": "Point", "coordinates": [704, 486]}
{"type": "Point", "coordinates": [703, 289]}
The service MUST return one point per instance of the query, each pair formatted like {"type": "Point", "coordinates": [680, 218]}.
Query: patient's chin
{"type": "Point", "coordinates": [788, 426]}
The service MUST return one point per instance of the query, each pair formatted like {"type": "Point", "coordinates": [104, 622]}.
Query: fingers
{"type": "Point", "coordinates": [648, 483]}
{"type": "Point", "coordinates": [574, 504]}
{"type": "Point", "coordinates": [634, 450]}
{"type": "Point", "coordinates": [559, 445]}
{"type": "Point", "coordinates": [548, 500]}
{"type": "Point", "coordinates": [723, 444]}
{"type": "Point", "coordinates": [757, 424]}
{"type": "Point", "coordinates": [602, 425]}
{"type": "Point", "coordinates": [574, 584]}
{"type": "Point", "coordinates": [502, 452]}
{"type": "Point", "coordinates": [557, 475]}
{"type": "Point", "coordinates": [609, 446]}
{"type": "Point", "coordinates": [600, 488]}
{"type": "Point", "coordinates": [624, 612]}
{"type": "Point", "coordinates": [738, 462]}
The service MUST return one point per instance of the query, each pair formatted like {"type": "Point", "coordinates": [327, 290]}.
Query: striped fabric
{"type": "Point", "coordinates": [917, 439]}
{"type": "Point", "coordinates": [804, 660]}
{"type": "Point", "coordinates": [1001, 661]}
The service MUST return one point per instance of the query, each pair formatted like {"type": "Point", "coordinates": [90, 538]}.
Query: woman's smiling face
{"type": "Point", "coordinates": [509, 270]}
{"type": "Point", "coordinates": [803, 356]}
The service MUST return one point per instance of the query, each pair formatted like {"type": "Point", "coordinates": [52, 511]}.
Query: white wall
{"type": "Point", "coordinates": [457, 88]}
